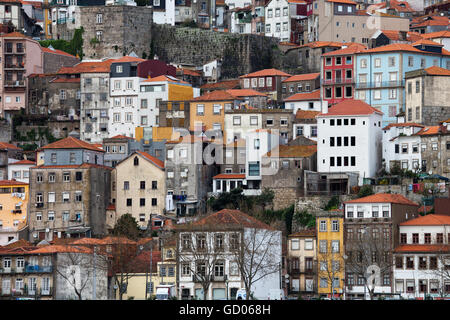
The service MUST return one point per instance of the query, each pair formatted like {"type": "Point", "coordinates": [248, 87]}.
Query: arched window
{"type": "Point", "coordinates": [136, 161]}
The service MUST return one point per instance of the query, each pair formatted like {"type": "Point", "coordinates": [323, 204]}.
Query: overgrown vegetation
{"type": "Point", "coordinates": [332, 204]}
{"type": "Point", "coordinates": [365, 191]}
{"type": "Point", "coordinates": [305, 219]}
{"type": "Point", "coordinates": [73, 47]}
{"type": "Point", "coordinates": [127, 226]}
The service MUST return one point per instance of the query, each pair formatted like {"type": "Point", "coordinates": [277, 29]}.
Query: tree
{"type": "Point", "coordinates": [230, 200]}
{"type": "Point", "coordinates": [127, 226]}
{"type": "Point", "coordinates": [305, 219]}
{"type": "Point", "coordinates": [368, 257]}
{"type": "Point", "coordinates": [365, 191]}
{"type": "Point", "coordinates": [259, 255]}
{"type": "Point", "coordinates": [332, 204]}
{"type": "Point", "coordinates": [265, 198]}
{"type": "Point", "coordinates": [330, 267]}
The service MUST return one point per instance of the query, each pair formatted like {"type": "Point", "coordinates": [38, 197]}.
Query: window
{"type": "Point", "coordinates": [399, 262]}
{"type": "Point", "coordinates": [403, 238]}
{"type": "Point", "coordinates": [216, 108]}
{"type": "Point", "coordinates": [335, 225]}
{"type": "Point", "coordinates": [377, 62]}
{"type": "Point", "coordinates": [154, 201]}
{"type": "Point", "coordinates": [143, 120]}
{"type": "Point", "coordinates": [51, 215]}
{"type": "Point", "coordinates": [422, 263]}
{"type": "Point", "coordinates": [323, 246]}
{"type": "Point", "coordinates": [99, 18]}
{"type": "Point", "coordinates": [415, 238]}
{"type": "Point", "coordinates": [119, 69]}
{"type": "Point", "coordinates": [308, 244]}
{"type": "Point", "coordinates": [99, 35]}
{"type": "Point", "coordinates": [237, 120]}
{"type": "Point", "coordinates": [323, 226]}
{"type": "Point", "coordinates": [253, 121]}
{"type": "Point", "coordinates": [409, 262]}
{"type": "Point", "coordinates": [410, 286]}
{"type": "Point", "coordinates": [335, 246]}
{"type": "Point", "coordinates": [66, 176]}
{"type": "Point", "coordinates": [440, 238]}
{"type": "Point", "coordinates": [385, 211]}
{"type": "Point", "coordinates": [427, 238]}
{"type": "Point", "coordinates": [363, 63]}
{"type": "Point", "coordinates": [391, 61]}
{"type": "Point", "coordinates": [295, 244]}
{"type": "Point", "coordinates": [350, 212]}
{"type": "Point", "coordinates": [360, 211]}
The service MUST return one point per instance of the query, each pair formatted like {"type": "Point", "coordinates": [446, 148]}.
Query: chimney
{"type": "Point", "coordinates": [402, 35]}
{"type": "Point", "coordinates": [324, 106]}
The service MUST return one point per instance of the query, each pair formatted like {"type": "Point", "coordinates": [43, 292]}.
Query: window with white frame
{"type": "Point", "coordinates": [295, 244]}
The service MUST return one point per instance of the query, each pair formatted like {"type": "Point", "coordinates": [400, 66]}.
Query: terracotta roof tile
{"type": "Point", "coordinates": [395, 35]}
{"type": "Point", "coordinates": [88, 241]}
{"type": "Point", "coordinates": [351, 49]}
{"type": "Point", "coordinates": [426, 43]}
{"type": "Point", "coordinates": [245, 93]}
{"type": "Point", "coordinates": [96, 66]}
{"type": "Point", "coordinates": [55, 51]}
{"type": "Point", "coordinates": [438, 34]}
{"type": "Point", "coordinates": [285, 151]}
{"type": "Point", "coordinates": [429, 130]}
{"type": "Point", "coordinates": [190, 72]}
{"type": "Point", "coordinates": [152, 159]}
{"type": "Point", "coordinates": [4, 183]}
{"type": "Point", "coordinates": [307, 96]}
{"type": "Point", "coordinates": [72, 143]}
{"type": "Point", "coordinates": [384, 198]}
{"type": "Point", "coordinates": [320, 44]}
{"type": "Point", "coordinates": [406, 124]}
{"type": "Point", "coordinates": [217, 95]}
{"type": "Point", "coordinates": [304, 233]}
{"type": "Point", "coordinates": [428, 220]}
{"type": "Point", "coordinates": [73, 166]}
{"type": "Point", "coordinates": [231, 218]}
{"type": "Point", "coordinates": [118, 240]}
{"type": "Point", "coordinates": [265, 73]}
{"type": "Point", "coordinates": [351, 107]}
{"type": "Point", "coordinates": [225, 84]}
{"type": "Point", "coordinates": [121, 136]}
{"type": "Point", "coordinates": [14, 34]}
{"type": "Point", "coordinates": [302, 77]}
{"type": "Point", "coordinates": [306, 114]}
{"type": "Point", "coordinates": [401, 47]}
{"type": "Point", "coordinates": [342, 1]}
{"type": "Point", "coordinates": [5, 145]}
{"type": "Point", "coordinates": [422, 248]}
{"type": "Point", "coordinates": [229, 176]}
{"type": "Point", "coordinates": [62, 249]}
{"type": "Point", "coordinates": [400, 6]}
{"type": "Point", "coordinates": [437, 71]}
{"type": "Point", "coordinates": [164, 78]}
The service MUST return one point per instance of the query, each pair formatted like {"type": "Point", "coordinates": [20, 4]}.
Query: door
{"type": "Point", "coordinates": [233, 292]}
{"type": "Point", "coordinates": [199, 294]}
{"type": "Point", "coordinates": [295, 285]}
{"type": "Point", "coordinates": [185, 294]}
{"type": "Point", "coordinates": [219, 294]}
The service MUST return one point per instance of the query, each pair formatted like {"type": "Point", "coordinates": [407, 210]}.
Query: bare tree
{"type": "Point", "coordinates": [330, 266]}
{"type": "Point", "coordinates": [439, 267]}
{"type": "Point", "coordinates": [369, 257]}
{"type": "Point", "coordinates": [257, 255]}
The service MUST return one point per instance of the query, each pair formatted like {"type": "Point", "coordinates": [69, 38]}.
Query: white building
{"type": "Point", "coordinates": [238, 123]}
{"type": "Point", "coordinates": [211, 70]}
{"type": "Point", "coordinates": [20, 170]}
{"type": "Point", "coordinates": [402, 146]}
{"type": "Point", "coordinates": [305, 101]}
{"type": "Point", "coordinates": [164, 14]}
{"type": "Point", "coordinates": [422, 259]}
{"type": "Point", "coordinates": [210, 246]}
{"type": "Point", "coordinates": [349, 139]}
{"type": "Point", "coordinates": [305, 124]}
{"type": "Point", "coordinates": [277, 20]}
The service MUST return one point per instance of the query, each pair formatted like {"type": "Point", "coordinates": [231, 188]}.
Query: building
{"type": "Point", "coordinates": [425, 101]}
{"type": "Point", "coordinates": [338, 68]}
{"type": "Point", "coordinates": [349, 139]}
{"type": "Point", "coordinates": [340, 20]}
{"type": "Point", "coordinates": [402, 146]}
{"type": "Point", "coordinates": [301, 83]}
{"type": "Point", "coordinates": [279, 122]}
{"type": "Point", "coordinates": [330, 254]}
{"type": "Point", "coordinates": [309, 101]}
{"type": "Point", "coordinates": [371, 227]}
{"type": "Point", "coordinates": [305, 124]}
{"type": "Point", "coordinates": [380, 73]}
{"type": "Point", "coordinates": [69, 192]}
{"type": "Point", "coordinates": [138, 187]}
{"type": "Point", "coordinates": [11, 11]}
{"type": "Point", "coordinates": [163, 12]}
{"type": "Point", "coordinates": [429, 24]}
{"type": "Point", "coordinates": [20, 170]}
{"type": "Point", "coordinates": [421, 258]}
{"type": "Point", "coordinates": [14, 208]}
{"type": "Point", "coordinates": [384, 37]}
{"type": "Point", "coordinates": [268, 81]}
{"type": "Point", "coordinates": [287, 182]}
{"type": "Point", "coordinates": [441, 37]}
{"type": "Point", "coordinates": [248, 97]}
{"type": "Point", "coordinates": [302, 263]}
{"type": "Point", "coordinates": [210, 250]}
{"type": "Point", "coordinates": [241, 20]}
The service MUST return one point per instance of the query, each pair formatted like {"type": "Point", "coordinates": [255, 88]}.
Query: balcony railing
{"type": "Point", "coordinates": [219, 278]}
{"type": "Point", "coordinates": [338, 81]}
{"type": "Point", "coordinates": [38, 269]}
{"type": "Point", "coordinates": [199, 278]}
{"type": "Point", "coordinates": [381, 84]}
{"type": "Point", "coordinates": [15, 83]}
{"type": "Point", "coordinates": [61, 21]}
{"type": "Point", "coordinates": [14, 66]}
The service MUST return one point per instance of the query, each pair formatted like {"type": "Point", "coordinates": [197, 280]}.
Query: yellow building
{"type": "Point", "coordinates": [13, 209]}
{"type": "Point", "coordinates": [207, 112]}
{"type": "Point", "coordinates": [47, 19]}
{"type": "Point", "coordinates": [330, 253]}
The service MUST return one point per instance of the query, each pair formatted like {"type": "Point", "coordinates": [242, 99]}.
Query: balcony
{"type": "Point", "coordinates": [219, 278]}
{"type": "Point", "coordinates": [38, 269]}
{"type": "Point", "coordinates": [15, 83]}
{"type": "Point", "coordinates": [39, 205]}
{"type": "Point", "coordinates": [196, 278]}
{"type": "Point", "coordinates": [338, 81]}
{"type": "Point", "coordinates": [381, 84]}
{"type": "Point", "coordinates": [12, 66]}
{"type": "Point", "coordinates": [8, 270]}
{"type": "Point", "coordinates": [61, 21]}
{"type": "Point", "coordinates": [16, 211]}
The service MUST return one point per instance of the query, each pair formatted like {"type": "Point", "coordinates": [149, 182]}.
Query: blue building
{"type": "Point", "coordinates": [380, 73]}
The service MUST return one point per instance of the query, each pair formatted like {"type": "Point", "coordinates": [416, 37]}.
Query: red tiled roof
{"type": "Point", "coordinates": [5, 145]}
{"type": "Point", "coordinates": [437, 71]}
{"type": "Point", "coordinates": [96, 66]}
{"type": "Point", "coordinates": [302, 77]}
{"type": "Point", "coordinates": [67, 80]}
{"type": "Point", "coordinates": [62, 249]}
{"type": "Point", "coordinates": [429, 21]}
{"type": "Point", "coordinates": [429, 130]}
{"type": "Point", "coordinates": [384, 198]}
{"type": "Point", "coordinates": [304, 233]}
{"type": "Point", "coordinates": [17, 244]}
{"type": "Point", "coordinates": [342, 1]}
{"type": "Point", "coordinates": [400, 6]}
{"type": "Point", "coordinates": [14, 34]}
{"type": "Point", "coordinates": [351, 49]}
{"type": "Point", "coordinates": [425, 210]}
{"type": "Point", "coordinates": [152, 159]}
{"type": "Point", "coordinates": [284, 151]}
{"type": "Point", "coordinates": [245, 93]}
{"type": "Point", "coordinates": [422, 248]}
{"type": "Point", "coordinates": [4, 183]}
{"type": "Point", "coordinates": [229, 217]}
{"type": "Point", "coordinates": [118, 240]}
{"type": "Point", "coordinates": [121, 136]}
{"type": "Point", "coordinates": [351, 107]}
{"type": "Point", "coordinates": [427, 43]}
{"type": "Point", "coordinates": [438, 34]}
{"type": "Point", "coordinates": [320, 44]}
{"type": "Point", "coordinates": [395, 35]}
{"type": "Point", "coordinates": [225, 84]}
{"type": "Point", "coordinates": [229, 176]}
{"type": "Point", "coordinates": [307, 96]}
{"type": "Point", "coordinates": [72, 166]}
{"type": "Point", "coordinates": [217, 95]}
{"type": "Point", "coordinates": [72, 143]}
{"type": "Point", "coordinates": [265, 73]}
{"type": "Point", "coordinates": [88, 241]}
{"type": "Point", "coordinates": [55, 51]}
{"type": "Point", "coordinates": [163, 78]}
{"type": "Point", "coordinates": [306, 114]}
{"type": "Point", "coordinates": [406, 124]}
{"type": "Point", "coordinates": [24, 162]}
{"type": "Point", "coordinates": [190, 72]}
{"type": "Point", "coordinates": [428, 220]}
{"type": "Point", "coordinates": [401, 47]}
{"type": "Point", "coordinates": [297, 1]}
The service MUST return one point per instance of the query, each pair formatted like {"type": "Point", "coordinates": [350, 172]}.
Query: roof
{"type": "Point", "coordinates": [405, 124]}
{"type": "Point", "coordinates": [437, 71]}
{"type": "Point", "coordinates": [430, 21]}
{"type": "Point", "coordinates": [320, 44]}
{"type": "Point", "coordinates": [232, 218]}
{"type": "Point", "coordinates": [422, 248]}
{"type": "Point", "coordinates": [62, 249]}
{"type": "Point", "coordinates": [5, 145]}
{"type": "Point", "coordinates": [225, 84]}
{"type": "Point", "coordinates": [400, 6]}
{"type": "Point", "coordinates": [426, 42]}
{"type": "Point", "coordinates": [152, 159]}
{"type": "Point", "coordinates": [67, 80]}
{"type": "Point", "coordinates": [297, 1]}
{"type": "Point", "coordinates": [304, 233]}
{"type": "Point", "coordinates": [428, 220]}
{"type": "Point", "coordinates": [190, 72]}
{"type": "Point", "coordinates": [342, 1]}
{"type": "Point", "coordinates": [73, 166]}
{"type": "Point", "coordinates": [351, 49]}
{"type": "Point", "coordinates": [303, 77]}
{"type": "Point", "coordinates": [437, 34]}
{"type": "Point", "coordinates": [55, 51]}
{"type": "Point", "coordinates": [245, 93]}
{"type": "Point", "coordinates": [88, 241]}
{"type": "Point", "coordinates": [118, 240]}
{"type": "Point", "coordinates": [401, 47]}
{"type": "Point", "coordinates": [111, 207]}
{"type": "Point", "coordinates": [121, 136]}
{"type": "Point", "coordinates": [285, 151]}
{"type": "Point", "coordinates": [229, 176]}
{"type": "Point", "coordinates": [395, 35]}
{"type": "Point", "coordinates": [307, 96]}
{"type": "Point", "coordinates": [14, 34]}
{"type": "Point", "coordinates": [351, 108]}
{"type": "Point", "coordinates": [265, 73]}
{"type": "Point", "coordinates": [217, 95]}
{"type": "Point", "coordinates": [4, 183]}
{"type": "Point", "coordinates": [429, 130]}
{"type": "Point", "coordinates": [384, 198]}
{"type": "Point", "coordinates": [23, 162]}
{"type": "Point", "coordinates": [162, 78]}
{"type": "Point", "coordinates": [306, 114]}
{"type": "Point", "coordinates": [96, 66]}
{"type": "Point", "coordinates": [72, 143]}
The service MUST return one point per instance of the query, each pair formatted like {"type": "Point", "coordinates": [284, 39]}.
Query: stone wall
{"type": "Point", "coordinates": [53, 62]}
{"type": "Point", "coordinates": [5, 131]}
{"type": "Point", "coordinates": [240, 54]}
{"type": "Point", "coordinates": [284, 197]}
{"type": "Point", "coordinates": [431, 116]}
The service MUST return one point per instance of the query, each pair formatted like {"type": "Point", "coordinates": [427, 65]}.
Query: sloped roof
{"type": "Point", "coordinates": [320, 44]}
{"type": "Point", "coordinates": [306, 114]}
{"type": "Point", "coordinates": [4, 183]}
{"type": "Point", "coordinates": [265, 73]}
{"type": "Point", "coordinates": [230, 176]}
{"type": "Point", "coordinates": [55, 51]}
{"type": "Point", "coordinates": [88, 241]}
{"type": "Point", "coordinates": [245, 93]}
{"type": "Point", "coordinates": [14, 34]}
{"type": "Point", "coordinates": [5, 145]}
{"type": "Point", "coordinates": [96, 66]}
{"type": "Point", "coordinates": [121, 136]}
{"type": "Point", "coordinates": [73, 166]}
{"type": "Point", "coordinates": [400, 6]}
{"type": "Point", "coordinates": [437, 71]}
{"type": "Point", "coordinates": [217, 95]}
{"type": "Point", "coordinates": [293, 151]}
{"type": "Point", "coordinates": [24, 162]}
{"type": "Point", "coordinates": [351, 107]}
{"type": "Point", "coordinates": [163, 78]}
{"type": "Point", "coordinates": [118, 240]}
{"type": "Point", "coordinates": [304, 233]}
{"type": "Point", "coordinates": [303, 77]}
{"type": "Point", "coordinates": [401, 47]}
{"type": "Point", "coordinates": [152, 159]}
{"type": "Point", "coordinates": [437, 34]}
{"type": "Point", "coordinates": [395, 35]}
{"type": "Point", "coordinates": [189, 72]}
{"type": "Point", "coordinates": [428, 220]}
{"type": "Point", "coordinates": [427, 43]}
{"type": "Point", "coordinates": [405, 124]}
{"type": "Point", "coordinates": [342, 1]}
{"type": "Point", "coordinates": [429, 130]}
{"type": "Point", "coordinates": [307, 96]}
{"type": "Point", "coordinates": [62, 249]}
{"type": "Point", "coordinates": [426, 21]}
{"type": "Point", "coordinates": [384, 198]}
{"type": "Point", "coordinates": [422, 248]}
{"type": "Point", "coordinates": [224, 84]}
{"type": "Point", "coordinates": [232, 218]}
{"type": "Point", "coordinates": [72, 143]}
{"type": "Point", "coordinates": [351, 49]}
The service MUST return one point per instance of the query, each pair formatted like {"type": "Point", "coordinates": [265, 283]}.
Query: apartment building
{"type": "Point", "coordinates": [284, 20]}
{"type": "Point", "coordinates": [13, 207]}
{"type": "Point", "coordinates": [301, 83]}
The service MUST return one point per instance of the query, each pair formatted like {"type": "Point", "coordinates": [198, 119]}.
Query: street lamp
{"type": "Point", "coordinates": [226, 283]}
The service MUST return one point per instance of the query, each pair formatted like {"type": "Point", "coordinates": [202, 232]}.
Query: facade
{"type": "Point", "coordinates": [302, 263]}
{"type": "Point", "coordinates": [280, 121]}
{"type": "Point", "coordinates": [349, 139]}
{"type": "Point", "coordinates": [305, 124]}
{"type": "Point", "coordinates": [14, 206]}
{"type": "Point", "coordinates": [422, 258]}
{"type": "Point", "coordinates": [138, 187]}
{"type": "Point", "coordinates": [384, 37]}
{"type": "Point", "coordinates": [248, 97]}
{"type": "Point", "coordinates": [425, 101]}
{"type": "Point", "coordinates": [210, 247]}
{"type": "Point", "coordinates": [69, 192]}
{"type": "Point", "coordinates": [330, 254]}
{"type": "Point", "coordinates": [371, 233]}
{"type": "Point", "coordinates": [380, 73]}
{"type": "Point", "coordinates": [310, 101]}
{"type": "Point", "coordinates": [20, 170]}
{"type": "Point", "coordinates": [301, 83]}
{"type": "Point", "coordinates": [441, 37]}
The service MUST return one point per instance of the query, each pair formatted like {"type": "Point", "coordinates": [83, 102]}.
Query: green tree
{"type": "Point", "coordinates": [365, 191]}
{"type": "Point", "coordinates": [332, 204]}
{"type": "Point", "coordinates": [127, 226]}
{"type": "Point", "coordinates": [305, 219]}
{"type": "Point", "coordinates": [265, 198]}
{"type": "Point", "coordinates": [230, 200]}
